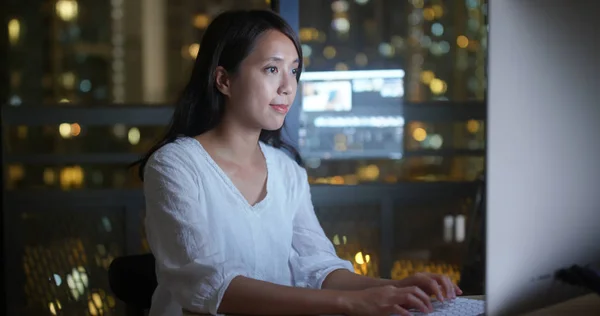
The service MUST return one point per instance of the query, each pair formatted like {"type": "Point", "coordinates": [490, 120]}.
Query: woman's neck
{"type": "Point", "coordinates": [234, 144]}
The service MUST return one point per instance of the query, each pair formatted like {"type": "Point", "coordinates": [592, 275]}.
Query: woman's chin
{"type": "Point", "coordinates": [273, 126]}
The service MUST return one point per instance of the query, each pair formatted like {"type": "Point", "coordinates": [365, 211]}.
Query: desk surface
{"type": "Point", "coordinates": [580, 306]}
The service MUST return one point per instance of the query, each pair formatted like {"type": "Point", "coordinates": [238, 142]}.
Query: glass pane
{"type": "Point", "coordinates": [430, 236]}
{"type": "Point", "coordinates": [65, 259]}
{"type": "Point", "coordinates": [364, 59]}
{"type": "Point", "coordinates": [354, 232]}
{"type": "Point", "coordinates": [74, 138]}
{"type": "Point", "coordinates": [70, 176]}
{"type": "Point", "coordinates": [85, 52]}
{"type": "Point", "coordinates": [440, 45]}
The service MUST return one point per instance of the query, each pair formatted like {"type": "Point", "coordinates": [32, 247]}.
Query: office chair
{"type": "Point", "coordinates": [472, 280]}
{"type": "Point", "coordinates": [132, 280]}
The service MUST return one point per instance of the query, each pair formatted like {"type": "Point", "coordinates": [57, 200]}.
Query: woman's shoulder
{"type": "Point", "coordinates": [180, 153]}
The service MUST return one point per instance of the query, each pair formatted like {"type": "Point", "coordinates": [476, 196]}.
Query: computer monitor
{"type": "Point", "coordinates": [543, 149]}
{"type": "Point", "coordinates": [351, 114]}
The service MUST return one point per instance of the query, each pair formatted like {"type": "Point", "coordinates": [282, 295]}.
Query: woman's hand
{"type": "Point", "coordinates": [387, 300]}
{"type": "Point", "coordinates": [433, 284]}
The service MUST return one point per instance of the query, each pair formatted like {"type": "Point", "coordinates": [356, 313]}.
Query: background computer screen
{"type": "Point", "coordinates": [351, 114]}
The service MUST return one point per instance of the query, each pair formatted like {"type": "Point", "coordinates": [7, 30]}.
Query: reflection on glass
{"type": "Point", "coordinates": [441, 45]}
{"type": "Point", "coordinates": [82, 53]}
{"type": "Point", "coordinates": [340, 117]}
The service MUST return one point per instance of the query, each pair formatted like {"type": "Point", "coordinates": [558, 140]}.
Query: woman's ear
{"type": "Point", "coordinates": [222, 81]}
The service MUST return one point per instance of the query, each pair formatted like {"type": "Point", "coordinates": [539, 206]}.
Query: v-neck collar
{"type": "Point", "coordinates": [258, 205]}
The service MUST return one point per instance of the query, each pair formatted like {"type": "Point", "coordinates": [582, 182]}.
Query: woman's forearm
{"type": "Point", "coordinates": [253, 297]}
{"type": "Point", "coordinates": [345, 280]}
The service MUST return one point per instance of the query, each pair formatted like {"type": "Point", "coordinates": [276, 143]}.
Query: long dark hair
{"type": "Point", "coordinates": [228, 40]}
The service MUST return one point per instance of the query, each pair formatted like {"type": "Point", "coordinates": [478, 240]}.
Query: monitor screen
{"type": "Point", "coordinates": [351, 114]}
{"type": "Point", "coordinates": [542, 149]}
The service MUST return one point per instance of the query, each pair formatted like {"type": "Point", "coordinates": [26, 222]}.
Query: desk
{"type": "Point", "coordinates": [588, 305]}
{"type": "Point", "coordinates": [580, 306]}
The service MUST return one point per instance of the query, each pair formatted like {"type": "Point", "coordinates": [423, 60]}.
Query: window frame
{"type": "Point", "coordinates": [143, 115]}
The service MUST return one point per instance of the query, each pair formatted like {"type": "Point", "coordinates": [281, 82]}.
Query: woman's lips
{"type": "Point", "coordinates": [280, 108]}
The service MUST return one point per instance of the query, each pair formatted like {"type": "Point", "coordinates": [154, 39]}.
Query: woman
{"type": "Point", "coordinates": [229, 216]}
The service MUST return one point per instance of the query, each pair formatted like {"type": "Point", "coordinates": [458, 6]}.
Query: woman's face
{"type": "Point", "coordinates": [261, 92]}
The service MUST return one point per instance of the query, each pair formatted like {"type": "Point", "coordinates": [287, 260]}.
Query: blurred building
{"type": "Point", "coordinates": [70, 55]}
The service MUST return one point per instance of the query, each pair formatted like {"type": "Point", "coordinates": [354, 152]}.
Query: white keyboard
{"type": "Point", "coordinates": [456, 307]}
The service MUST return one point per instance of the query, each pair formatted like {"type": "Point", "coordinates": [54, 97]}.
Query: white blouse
{"type": "Point", "coordinates": [204, 233]}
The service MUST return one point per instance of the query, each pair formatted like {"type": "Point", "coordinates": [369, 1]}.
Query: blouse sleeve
{"type": "Point", "coordinates": [313, 255]}
{"type": "Point", "coordinates": [189, 266]}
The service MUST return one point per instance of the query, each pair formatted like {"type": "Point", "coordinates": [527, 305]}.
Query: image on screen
{"type": "Point", "coordinates": [327, 96]}
{"type": "Point", "coordinates": [351, 114]}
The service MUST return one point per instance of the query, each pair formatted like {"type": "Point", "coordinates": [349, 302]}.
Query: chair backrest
{"type": "Point", "coordinates": [133, 279]}
{"type": "Point", "coordinates": [472, 280]}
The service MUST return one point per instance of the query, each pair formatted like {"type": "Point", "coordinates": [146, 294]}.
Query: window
{"type": "Point", "coordinates": [389, 57]}
{"type": "Point", "coordinates": [441, 45]}
{"type": "Point", "coordinates": [394, 92]}
{"type": "Point", "coordinates": [73, 54]}
{"type": "Point", "coordinates": [90, 83]}
{"type": "Point", "coordinates": [84, 53]}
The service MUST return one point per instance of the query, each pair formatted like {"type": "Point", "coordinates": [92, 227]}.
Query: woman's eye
{"type": "Point", "coordinates": [295, 71]}
{"type": "Point", "coordinates": [272, 70]}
